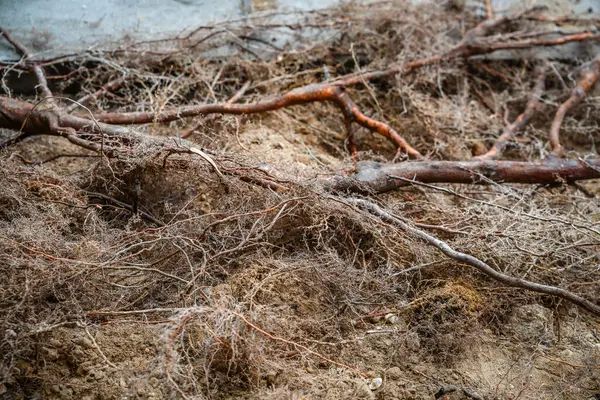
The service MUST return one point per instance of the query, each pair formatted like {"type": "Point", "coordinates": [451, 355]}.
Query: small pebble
{"type": "Point", "coordinates": [391, 319]}
{"type": "Point", "coordinates": [375, 383]}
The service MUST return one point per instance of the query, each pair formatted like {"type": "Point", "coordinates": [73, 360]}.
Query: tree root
{"type": "Point", "coordinates": [465, 49]}
{"type": "Point", "coordinates": [125, 206]}
{"type": "Point", "coordinates": [489, 9]}
{"type": "Point", "coordinates": [372, 177]}
{"type": "Point", "coordinates": [109, 87]}
{"type": "Point", "coordinates": [533, 105]}
{"type": "Point", "coordinates": [30, 120]}
{"type": "Point", "coordinates": [590, 76]}
{"type": "Point", "coordinates": [298, 345]}
{"type": "Point", "coordinates": [103, 135]}
{"type": "Point", "coordinates": [333, 92]}
{"type": "Point", "coordinates": [369, 176]}
{"type": "Point", "coordinates": [303, 95]}
{"type": "Point", "coordinates": [468, 259]}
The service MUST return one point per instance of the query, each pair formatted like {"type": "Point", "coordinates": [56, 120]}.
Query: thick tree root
{"type": "Point", "coordinates": [372, 177]}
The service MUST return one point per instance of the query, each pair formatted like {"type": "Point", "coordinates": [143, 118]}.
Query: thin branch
{"type": "Point", "coordinates": [98, 347]}
{"type": "Point", "coordinates": [566, 222]}
{"type": "Point", "coordinates": [565, 19]}
{"type": "Point", "coordinates": [468, 259]}
{"type": "Point", "coordinates": [52, 158]}
{"type": "Point", "coordinates": [465, 49]}
{"type": "Point", "coordinates": [533, 105]}
{"type": "Point", "coordinates": [590, 76]}
{"type": "Point", "coordinates": [303, 95]}
{"type": "Point", "coordinates": [486, 27]}
{"type": "Point", "coordinates": [248, 214]}
{"type": "Point", "coordinates": [26, 53]}
{"type": "Point", "coordinates": [110, 86]}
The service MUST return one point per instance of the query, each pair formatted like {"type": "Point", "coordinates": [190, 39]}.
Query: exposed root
{"type": "Point", "coordinates": [38, 70]}
{"type": "Point", "coordinates": [373, 177]}
{"type": "Point", "coordinates": [533, 105]}
{"type": "Point", "coordinates": [303, 95]}
{"type": "Point", "coordinates": [230, 265]}
{"type": "Point", "coordinates": [465, 49]}
{"type": "Point", "coordinates": [125, 206]}
{"type": "Point", "coordinates": [297, 345]}
{"type": "Point", "coordinates": [590, 76]}
{"type": "Point", "coordinates": [472, 261]}
{"type": "Point", "coordinates": [110, 86]}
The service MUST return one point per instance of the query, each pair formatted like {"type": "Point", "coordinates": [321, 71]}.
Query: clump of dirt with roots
{"type": "Point", "coordinates": [232, 271]}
